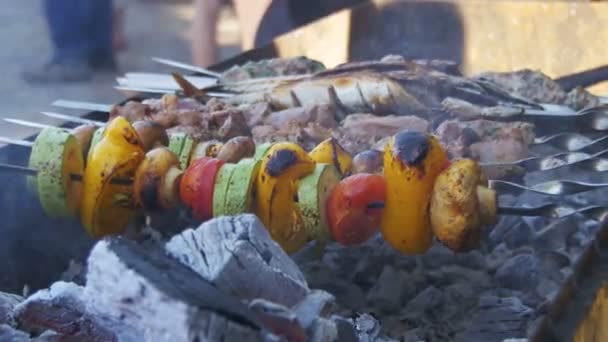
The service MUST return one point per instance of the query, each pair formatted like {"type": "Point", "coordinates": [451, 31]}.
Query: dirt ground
{"type": "Point", "coordinates": [153, 28]}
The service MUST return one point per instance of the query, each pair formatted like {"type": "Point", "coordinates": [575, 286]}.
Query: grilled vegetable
{"type": "Point", "coordinates": [369, 161]}
{"type": "Point", "coordinates": [182, 145]}
{"type": "Point", "coordinates": [151, 134]}
{"type": "Point", "coordinates": [222, 182]}
{"type": "Point", "coordinates": [108, 207]}
{"type": "Point", "coordinates": [236, 149]}
{"type": "Point", "coordinates": [277, 183]}
{"type": "Point", "coordinates": [313, 193]}
{"type": "Point", "coordinates": [205, 149]}
{"type": "Point", "coordinates": [57, 155]}
{"type": "Point", "coordinates": [156, 180]}
{"type": "Point", "coordinates": [84, 135]}
{"type": "Point", "coordinates": [261, 150]}
{"type": "Point", "coordinates": [96, 137]}
{"type": "Point", "coordinates": [330, 151]}
{"type": "Point", "coordinates": [461, 204]}
{"type": "Point", "coordinates": [354, 208]}
{"type": "Point", "coordinates": [197, 187]}
{"type": "Point", "coordinates": [239, 195]}
{"type": "Point", "coordinates": [412, 162]}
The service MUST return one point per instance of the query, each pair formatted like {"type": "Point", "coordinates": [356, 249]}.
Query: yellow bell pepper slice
{"type": "Point", "coordinates": [277, 188]}
{"type": "Point", "coordinates": [412, 162]}
{"type": "Point", "coordinates": [108, 207]}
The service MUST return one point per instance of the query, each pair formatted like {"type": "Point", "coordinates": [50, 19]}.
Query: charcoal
{"type": "Point", "coordinates": [162, 298]}
{"type": "Point", "coordinates": [426, 301]}
{"type": "Point", "coordinates": [554, 235]}
{"type": "Point", "coordinates": [8, 301]}
{"type": "Point", "coordinates": [317, 303]}
{"type": "Point", "coordinates": [278, 319]}
{"type": "Point", "coordinates": [498, 319]}
{"type": "Point", "coordinates": [473, 259]}
{"type": "Point", "coordinates": [437, 256]}
{"type": "Point", "coordinates": [8, 333]}
{"type": "Point", "coordinates": [519, 235]}
{"type": "Point", "coordinates": [551, 261]}
{"type": "Point", "coordinates": [63, 309]}
{"type": "Point", "coordinates": [346, 329]}
{"type": "Point", "coordinates": [390, 289]}
{"type": "Point", "coordinates": [499, 255]}
{"type": "Point", "coordinates": [502, 228]}
{"type": "Point", "coordinates": [547, 289]}
{"type": "Point", "coordinates": [450, 274]}
{"type": "Point", "coordinates": [521, 272]}
{"type": "Point", "coordinates": [368, 327]}
{"type": "Point", "coordinates": [347, 294]}
{"type": "Point", "coordinates": [238, 255]}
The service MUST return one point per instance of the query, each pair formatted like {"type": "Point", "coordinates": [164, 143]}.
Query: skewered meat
{"type": "Point", "coordinates": [132, 111]}
{"type": "Point", "coordinates": [578, 98]}
{"type": "Point", "coordinates": [324, 115]}
{"type": "Point", "coordinates": [536, 86]}
{"type": "Point", "coordinates": [459, 137]}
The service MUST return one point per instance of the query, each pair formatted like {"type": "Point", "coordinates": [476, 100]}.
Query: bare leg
{"type": "Point", "coordinates": [204, 45]}
{"type": "Point", "coordinates": [250, 13]}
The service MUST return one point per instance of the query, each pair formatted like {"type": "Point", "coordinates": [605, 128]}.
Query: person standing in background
{"type": "Point", "coordinates": [260, 22]}
{"type": "Point", "coordinates": [81, 36]}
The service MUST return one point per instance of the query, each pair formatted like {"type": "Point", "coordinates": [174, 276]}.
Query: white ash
{"type": "Point", "coordinates": [8, 301]}
{"type": "Point", "coordinates": [238, 255]}
{"type": "Point", "coordinates": [161, 298]}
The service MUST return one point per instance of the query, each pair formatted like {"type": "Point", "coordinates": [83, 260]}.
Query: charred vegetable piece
{"type": "Point", "coordinates": [236, 149]}
{"type": "Point", "coordinates": [151, 134]}
{"type": "Point", "coordinates": [205, 149]}
{"type": "Point", "coordinates": [313, 193]}
{"type": "Point", "coordinates": [190, 183]}
{"type": "Point", "coordinates": [412, 162]}
{"type": "Point", "coordinates": [84, 135]}
{"type": "Point", "coordinates": [57, 155]}
{"type": "Point", "coordinates": [355, 207]}
{"type": "Point", "coordinates": [369, 161]}
{"type": "Point", "coordinates": [239, 195]}
{"type": "Point", "coordinates": [220, 190]}
{"type": "Point", "coordinates": [197, 187]}
{"type": "Point", "coordinates": [156, 180]}
{"type": "Point", "coordinates": [461, 204]}
{"type": "Point", "coordinates": [96, 137]}
{"type": "Point", "coordinates": [108, 207]}
{"type": "Point", "coordinates": [261, 150]}
{"type": "Point", "coordinates": [330, 151]}
{"type": "Point", "coordinates": [277, 186]}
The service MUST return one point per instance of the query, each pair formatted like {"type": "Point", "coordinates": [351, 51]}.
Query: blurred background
{"type": "Point", "coordinates": [151, 28]}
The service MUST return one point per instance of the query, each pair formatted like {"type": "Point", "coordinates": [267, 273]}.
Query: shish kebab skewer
{"type": "Point", "coordinates": [417, 243]}
{"type": "Point", "coordinates": [552, 188]}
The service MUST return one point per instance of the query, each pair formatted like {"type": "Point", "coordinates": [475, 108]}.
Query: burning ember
{"type": "Point", "coordinates": [393, 200]}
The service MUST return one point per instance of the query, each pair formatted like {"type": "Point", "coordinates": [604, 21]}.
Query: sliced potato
{"type": "Point", "coordinates": [57, 155]}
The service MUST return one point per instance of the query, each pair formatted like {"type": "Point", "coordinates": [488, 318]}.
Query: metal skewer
{"type": "Point", "coordinates": [27, 123]}
{"type": "Point", "coordinates": [98, 107]}
{"type": "Point", "coordinates": [556, 211]}
{"type": "Point", "coordinates": [574, 142]}
{"type": "Point", "coordinates": [596, 162]}
{"type": "Point", "coordinates": [73, 119]}
{"type": "Point", "coordinates": [188, 67]}
{"type": "Point", "coordinates": [550, 188]}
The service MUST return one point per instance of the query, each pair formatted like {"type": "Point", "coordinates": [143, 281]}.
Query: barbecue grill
{"type": "Point", "coordinates": [38, 249]}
